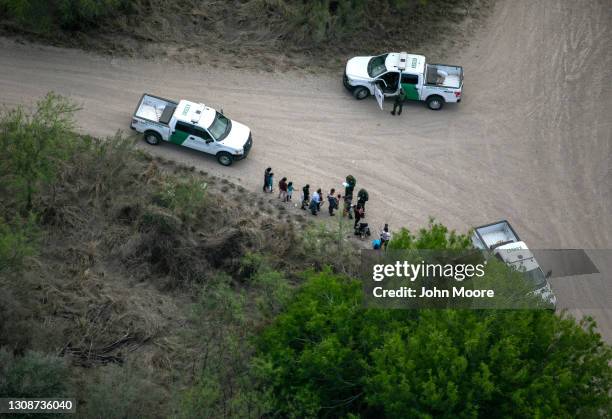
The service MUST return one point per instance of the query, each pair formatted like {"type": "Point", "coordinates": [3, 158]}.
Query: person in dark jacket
{"type": "Point", "coordinates": [332, 201]}
{"type": "Point", "coordinates": [266, 179]}
{"type": "Point", "coordinates": [282, 189]}
{"type": "Point", "coordinates": [349, 186]}
{"type": "Point", "coordinates": [305, 196]}
{"type": "Point", "coordinates": [399, 102]}
{"type": "Point", "coordinates": [362, 197]}
{"type": "Point", "coordinates": [359, 214]}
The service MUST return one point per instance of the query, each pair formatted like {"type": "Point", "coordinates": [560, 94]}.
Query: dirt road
{"type": "Point", "coordinates": [531, 141]}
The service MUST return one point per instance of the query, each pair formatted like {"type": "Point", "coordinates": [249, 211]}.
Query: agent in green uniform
{"type": "Point", "coordinates": [399, 102]}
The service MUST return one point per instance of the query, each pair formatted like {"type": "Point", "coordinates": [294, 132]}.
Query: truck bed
{"type": "Point", "coordinates": [496, 234]}
{"type": "Point", "coordinates": [444, 75]}
{"type": "Point", "coordinates": [155, 109]}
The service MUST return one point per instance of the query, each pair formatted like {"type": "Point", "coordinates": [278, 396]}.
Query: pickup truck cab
{"type": "Point", "coordinates": [192, 125]}
{"type": "Point", "coordinates": [384, 75]}
{"type": "Point", "coordinates": [500, 240]}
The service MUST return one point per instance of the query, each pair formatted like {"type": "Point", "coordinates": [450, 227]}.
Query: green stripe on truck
{"type": "Point", "coordinates": [178, 137]}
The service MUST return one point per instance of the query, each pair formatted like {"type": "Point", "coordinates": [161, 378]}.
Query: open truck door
{"type": "Point", "coordinates": [379, 95]}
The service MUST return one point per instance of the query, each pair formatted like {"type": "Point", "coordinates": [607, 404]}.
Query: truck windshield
{"type": "Point", "coordinates": [220, 127]}
{"type": "Point", "coordinates": [536, 277]}
{"type": "Point", "coordinates": [377, 66]}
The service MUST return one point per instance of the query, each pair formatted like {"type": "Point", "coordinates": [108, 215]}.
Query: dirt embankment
{"type": "Point", "coordinates": [262, 34]}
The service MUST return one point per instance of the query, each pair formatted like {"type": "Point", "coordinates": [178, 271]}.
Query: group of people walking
{"type": "Point", "coordinates": [314, 201]}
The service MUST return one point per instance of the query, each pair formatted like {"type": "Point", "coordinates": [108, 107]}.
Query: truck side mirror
{"type": "Point", "coordinates": [221, 111]}
{"type": "Point", "coordinates": [549, 273]}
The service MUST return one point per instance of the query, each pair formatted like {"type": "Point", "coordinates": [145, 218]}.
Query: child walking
{"type": "Point", "coordinates": [385, 237]}
{"type": "Point", "coordinates": [270, 182]}
{"type": "Point", "coordinates": [289, 191]}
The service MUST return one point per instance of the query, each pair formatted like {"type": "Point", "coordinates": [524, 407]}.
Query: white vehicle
{"type": "Point", "coordinates": [384, 75]}
{"type": "Point", "coordinates": [502, 241]}
{"type": "Point", "coordinates": [192, 125]}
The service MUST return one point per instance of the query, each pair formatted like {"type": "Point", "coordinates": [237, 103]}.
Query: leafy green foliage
{"type": "Point", "coordinates": [34, 147]}
{"type": "Point", "coordinates": [329, 246]}
{"type": "Point", "coordinates": [17, 242]}
{"type": "Point", "coordinates": [225, 322]}
{"type": "Point", "coordinates": [185, 197]}
{"type": "Point", "coordinates": [42, 15]}
{"type": "Point", "coordinates": [121, 392]}
{"type": "Point", "coordinates": [32, 375]}
{"type": "Point", "coordinates": [327, 356]}
{"type": "Point", "coordinates": [436, 236]}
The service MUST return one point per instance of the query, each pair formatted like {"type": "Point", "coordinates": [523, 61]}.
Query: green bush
{"type": "Point", "coordinates": [224, 322]}
{"type": "Point", "coordinates": [326, 355]}
{"type": "Point", "coordinates": [32, 375]}
{"type": "Point", "coordinates": [17, 242]}
{"type": "Point", "coordinates": [435, 236]}
{"type": "Point", "coordinates": [185, 197]}
{"type": "Point", "coordinates": [118, 392]}
{"type": "Point", "coordinates": [34, 147]}
{"type": "Point", "coordinates": [43, 15]}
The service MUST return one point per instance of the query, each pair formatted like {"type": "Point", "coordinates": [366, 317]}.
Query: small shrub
{"type": "Point", "coordinates": [122, 392]}
{"type": "Point", "coordinates": [34, 148]}
{"type": "Point", "coordinates": [32, 375]}
{"type": "Point", "coordinates": [185, 196]}
{"type": "Point", "coordinates": [44, 15]}
{"type": "Point", "coordinates": [322, 246]}
{"type": "Point", "coordinates": [17, 242]}
{"type": "Point", "coordinates": [436, 236]}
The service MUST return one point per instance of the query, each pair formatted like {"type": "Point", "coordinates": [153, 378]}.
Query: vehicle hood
{"type": "Point", "coordinates": [357, 68]}
{"type": "Point", "coordinates": [237, 137]}
{"type": "Point", "coordinates": [547, 295]}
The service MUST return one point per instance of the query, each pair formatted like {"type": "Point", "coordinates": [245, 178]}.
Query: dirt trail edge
{"type": "Point", "coordinates": [531, 141]}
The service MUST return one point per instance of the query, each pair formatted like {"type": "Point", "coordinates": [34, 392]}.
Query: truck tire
{"type": "Point", "coordinates": [152, 137]}
{"type": "Point", "coordinates": [361, 93]}
{"type": "Point", "coordinates": [225, 158]}
{"type": "Point", "coordinates": [435, 102]}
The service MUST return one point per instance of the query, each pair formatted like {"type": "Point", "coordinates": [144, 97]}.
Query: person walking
{"type": "Point", "coordinates": [332, 202]}
{"type": "Point", "coordinates": [305, 196]}
{"type": "Point", "coordinates": [321, 201]}
{"type": "Point", "coordinates": [282, 189]}
{"type": "Point", "coordinates": [362, 197]}
{"type": "Point", "coordinates": [349, 186]}
{"type": "Point", "coordinates": [359, 214]}
{"type": "Point", "coordinates": [266, 179]}
{"type": "Point", "coordinates": [289, 191]}
{"type": "Point", "coordinates": [385, 237]}
{"type": "Point", "coordinates": [399, 102]}
{"type": "Point", "coordinates": [315, 201]}
{"type": "Point", "coordinates": [270, 182]}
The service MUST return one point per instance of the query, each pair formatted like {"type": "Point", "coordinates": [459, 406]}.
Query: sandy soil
{"type": "Point", "coordinates": [531, 142]}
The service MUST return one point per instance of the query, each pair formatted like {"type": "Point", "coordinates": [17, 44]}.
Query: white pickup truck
{"type": "Point", "coordinates": [192, 125]}
{"type": "Point", "coordinates": [502, 241]}
{"type": "Point", "coordinates": [384, 75]}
